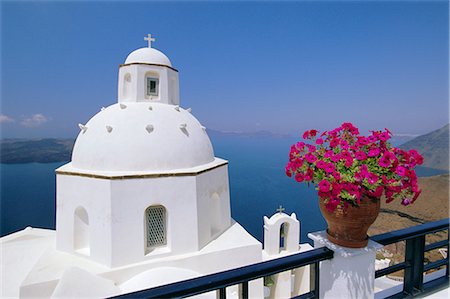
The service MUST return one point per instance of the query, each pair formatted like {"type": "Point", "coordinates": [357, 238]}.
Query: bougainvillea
{"type": "Point", "coordinates": [345, 166]}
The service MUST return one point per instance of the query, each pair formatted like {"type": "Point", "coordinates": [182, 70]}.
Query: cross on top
{"type": "Point", "coordinates": [149, 39]}
{"type": "Point", "coordinates": [280, 209]}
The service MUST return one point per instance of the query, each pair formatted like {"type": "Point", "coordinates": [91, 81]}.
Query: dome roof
{"type": "Point", "coordinates": [142, 137]}
{"type": "Point", "coordinates": [148, 55]}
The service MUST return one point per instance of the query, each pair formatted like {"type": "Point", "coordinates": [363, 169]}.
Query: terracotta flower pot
{"type": "Point", "coordinates": [348, 227]}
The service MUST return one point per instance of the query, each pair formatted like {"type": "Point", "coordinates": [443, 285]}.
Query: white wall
{"type": "Point", "coordinates": [94, 196]}
{"type": "Point", "coordinates": [213, 204]}
{"type": "Point", "coordinates": [130, 198]}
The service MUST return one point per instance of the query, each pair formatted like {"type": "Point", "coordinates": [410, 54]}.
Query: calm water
{"type": "Point", "coordinates": [258, 186]}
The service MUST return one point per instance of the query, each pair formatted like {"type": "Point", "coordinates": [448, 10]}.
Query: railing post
{"type": "Point", "coordinates": [414, 255]}
{"type": "Point", "coordinates": [314, 279]}
{"type": "Point", "coordinates": [448, 253]}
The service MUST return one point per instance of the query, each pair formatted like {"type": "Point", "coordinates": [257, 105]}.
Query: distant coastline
{"type": "Point", "coordinates": [433, 146]}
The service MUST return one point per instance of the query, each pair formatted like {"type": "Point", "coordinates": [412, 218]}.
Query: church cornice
{"type": "Point", "coordinates": [139, 176]}
{"type": "Point", "coordinates": [152, 64]}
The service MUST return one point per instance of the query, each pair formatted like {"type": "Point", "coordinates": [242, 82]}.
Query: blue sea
{"type": "Point", "coordinates": [258, 186]}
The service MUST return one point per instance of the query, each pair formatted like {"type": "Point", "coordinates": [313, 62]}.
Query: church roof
{"type": "Point", "coordinates": [142, 136]}
{"type": "Point", "coordinates": [148, 55]}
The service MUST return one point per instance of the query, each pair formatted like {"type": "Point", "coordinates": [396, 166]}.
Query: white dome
{"type": "Point", "coordinates": [133, 137]}
{"type": "Point", "coordinates": [148, 55]}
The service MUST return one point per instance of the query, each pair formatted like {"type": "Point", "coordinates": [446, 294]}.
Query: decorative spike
{"type": "Point", "coordinates": [122, 106]}
{"type": "Point", "coordinates": [266, 220]}
{"type": "Point", "coordinates": [109, 129]}
{"type": "Point", "coordinates": [189, 110]}
{"type": "Point", "coordinates": [149, 128]}
{"type": "Point", "coordinates": [82, 127]}
{"type": "Point", "coordinates": [103, 108]}
{"type": "Point", "coordinates": [183, 126]}
{"type": "Point", "coordinates": [177, 108]}
{"type": "Point", "coordinates": [150, 107]}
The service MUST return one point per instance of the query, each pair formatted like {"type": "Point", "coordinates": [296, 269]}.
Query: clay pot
{"type": "Point", "coordinates": [348, 227]}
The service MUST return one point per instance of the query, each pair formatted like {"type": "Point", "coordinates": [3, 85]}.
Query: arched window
{"type": "Point", "coordinates": [151, 85]}
{"type": "Point", "coordinates": [284, 229]}
{"type": "Point", "coordinates": [126, 89]}
{"type": "Point", "coordinates": [81, 242]}
{"type": "Point", "coordinates": [156, 227]}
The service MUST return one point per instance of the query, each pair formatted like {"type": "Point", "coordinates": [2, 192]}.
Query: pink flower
{"type": "Point", "coordinates": [337, 176]}
{"type": "Point", "coordinates": [346, 155]}
{"type": "Point", "coordinates": [310, 158]}
{"type": "Point", "coordinates": [319, 141]}
{"type": "Point", "coordinates": [361, 156]}
{"type": "Point", "coordinates": [348, 162]}
{"type": "Point", "coordinates": [330, 168]}
{"type": "Point", "coordinates": [328, 154]}
{"type": "Point", "coordinates": [288, 171]}
{"type": "Point", "coordinates": [300, 145]}
{"type": "Point", "coordinates": [332, 205]}
{"type": "Point", "coordinates": [377, 193]}
{"type": "Point", "coordinates": [416, 156]}
{"type": "Point", "coordinates": [321, 164]}
{"type": "Point", "coordinates": [401, 171]}
{"type": "Point", "coordinates": [363, 140]}
{"type": "Point", "coordinates": [372, 139]}
{"type": "Point", "coordinates": [372, 178]}
{"type": "Point", "coordinates": [364, 170]}
{"type": "Point", "coordinates": [311, 148]}
{"type": "Point", "coordinates": [384, 162]}
{"type": "Point", "coordinates": [309, 174]}
{"type": "Point", "coordinates": [306, 134]}
{"type": "Point", "coordinates": [334, 142]}
{"type": "Point", "coordinates": [384, 136]}
{"type": "Point", "coordinates": [335, 158]}
{"type": "Point", "coordinates": [299, 177]}
{"type": "Point", "coordinates": [324, 186]}
{"type": "Point", "coordinates": [309, 134]}
{"type": "Point", "coordinates": [373, 152]}
{"type": "Point", "coordinates": [406, 201]}
{"type": "Point", "coordinates": [344, 144]}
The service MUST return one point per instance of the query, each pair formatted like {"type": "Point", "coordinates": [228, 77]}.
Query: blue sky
{"type": "Point", "coordinates": [244, 66]}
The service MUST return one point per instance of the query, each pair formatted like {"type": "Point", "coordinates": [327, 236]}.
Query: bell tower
{"type": "Point", "coordinates": [148, 76]}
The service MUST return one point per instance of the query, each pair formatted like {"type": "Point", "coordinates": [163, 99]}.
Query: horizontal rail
{"type": "Point", "coordinates": [415, 249]}
{"type": "Point", "coordinates": [392, 269]}
{"type": "Point", "coordinates": [436, 264]}
{"type": "Point", "coordinates": [411, 232]}
{"type": "Point", "coordinates": [236, 276]}
{"type": "Point", "coordinates": [440, 244]}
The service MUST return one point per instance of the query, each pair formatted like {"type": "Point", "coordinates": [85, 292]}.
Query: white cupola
{"type": "Point", "coordinates": [143, 182]}
{"type": "Point", "coordinates": [148, 76]}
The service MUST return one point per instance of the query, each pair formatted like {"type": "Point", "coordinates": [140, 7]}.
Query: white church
{"type": "Point", "coordinates": [144, 202]}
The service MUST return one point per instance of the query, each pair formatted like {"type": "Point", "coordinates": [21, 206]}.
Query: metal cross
{"type": "Point", "coordinates": [149, 39]}
{"type": "Point", "coordinates": [281, 209]}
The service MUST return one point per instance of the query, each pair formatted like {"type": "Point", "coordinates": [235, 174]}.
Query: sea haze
{"type": "Point", "coordinates": [258, 186]}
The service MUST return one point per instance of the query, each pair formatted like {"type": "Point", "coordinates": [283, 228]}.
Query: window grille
{"type": "Point", "coordinates": [156, 226]}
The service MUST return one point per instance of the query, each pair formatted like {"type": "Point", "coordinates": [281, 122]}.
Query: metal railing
{"type": "Point", "coordinates": [413, 267]}
{"type": "Point", "coordinates": [414, 264]}
{"type": "Point", "coordinates": [241, 276]}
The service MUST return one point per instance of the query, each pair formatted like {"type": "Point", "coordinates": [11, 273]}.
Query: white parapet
{"type": "Point", "coordinates": [350, 273]}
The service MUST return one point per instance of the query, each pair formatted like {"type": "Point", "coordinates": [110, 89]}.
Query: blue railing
{"type": "Point", "coordinates": [413, 266]}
